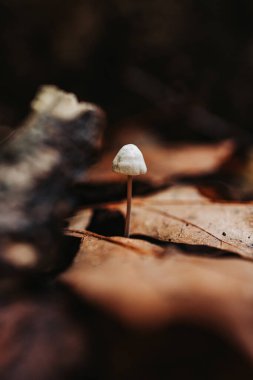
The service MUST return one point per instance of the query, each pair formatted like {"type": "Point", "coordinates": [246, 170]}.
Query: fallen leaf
{"type": "Point", "coordinates": [146, 290]}
{"type": "Point", "coordinates": [165, 162]}
{"type": "Point", "coordinates": [181, 214]}
{"type": "Point", "coordinates": [95, 243]}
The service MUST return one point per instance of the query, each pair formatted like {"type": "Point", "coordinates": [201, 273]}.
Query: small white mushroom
{"type": "Point", "coordinates": [129, 161]}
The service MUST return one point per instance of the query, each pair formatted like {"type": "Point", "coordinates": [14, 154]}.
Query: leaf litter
{"type": "Point", "coordinates": [166, 163]}
{"type": "Point", "coordinates": [147, 286]}
{"type": "Point", "coordinates": [181, 214]}
{"type": "Point", "coordinates": [154, 283]}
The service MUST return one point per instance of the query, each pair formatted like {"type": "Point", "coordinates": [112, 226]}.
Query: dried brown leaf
{"type": "Point", "coordinates": [95, 243]}
{"type": "Point", "coordinates": [145, 290]}
{"type": "Point", "coordinates": [165, 162]}
{"type": "Point", "coordinates": [181, 214]}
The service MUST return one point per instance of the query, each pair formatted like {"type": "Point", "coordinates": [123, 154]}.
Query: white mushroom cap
{"type": "Point", "coordinates": [129, 161]}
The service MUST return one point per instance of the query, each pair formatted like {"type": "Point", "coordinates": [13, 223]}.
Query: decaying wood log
{"type": "Point", "coordinates": [37, 167]}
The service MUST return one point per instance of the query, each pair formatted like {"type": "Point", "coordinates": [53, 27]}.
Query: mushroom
{"type": "Point", "coordinates": [129, 161]}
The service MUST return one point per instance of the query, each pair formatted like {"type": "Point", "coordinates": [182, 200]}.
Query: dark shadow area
{"type": "Point", "coordinates": [107, 192]}
{"type": "Point", "coordinates": [107, 222]}
{"type": "Point", "coordinates": [178, 351]}
{"type": "Point", "coordinates": [201, 250]}
{"type": "Point", "coordinates": [183, 67]}
{"type": "Point", "coordinates": [68, 249]}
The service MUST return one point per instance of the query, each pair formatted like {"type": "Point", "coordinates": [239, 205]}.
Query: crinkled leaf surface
{"type": "Point", "coordinates": [181, 214]}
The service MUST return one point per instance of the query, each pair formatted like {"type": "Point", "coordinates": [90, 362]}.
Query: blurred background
{"type": "Point", "coordinates": [184, 67]}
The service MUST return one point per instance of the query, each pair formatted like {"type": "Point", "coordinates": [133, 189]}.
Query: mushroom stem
{"type": "Point", "coordinates": [129, 200]}
{"type": "Point", "coordinates": [129, 161]}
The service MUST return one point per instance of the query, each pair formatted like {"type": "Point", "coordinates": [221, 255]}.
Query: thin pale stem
{"type": "Point", "coordinates": [129, 200]}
